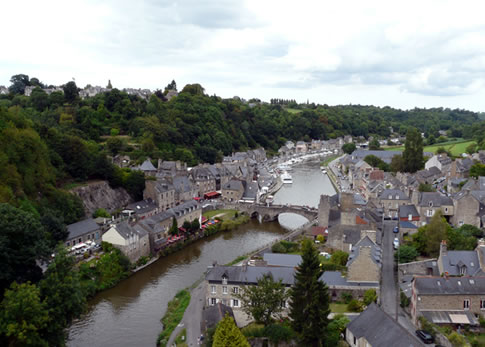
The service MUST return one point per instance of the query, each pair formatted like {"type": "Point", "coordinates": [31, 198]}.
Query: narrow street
{"type": "Point", "coordinates": [389, 285]}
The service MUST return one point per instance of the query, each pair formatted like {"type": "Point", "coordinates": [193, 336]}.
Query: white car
{"type": "Point", "coordinates": [325, 254]}
{"type": "Point", "coordinates": [396, 243]}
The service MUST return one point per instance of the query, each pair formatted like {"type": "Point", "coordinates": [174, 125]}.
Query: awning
{"type": "Point", "coordinates": [211, 195]}
{"type": "Point", "coordinates": [451, 317]}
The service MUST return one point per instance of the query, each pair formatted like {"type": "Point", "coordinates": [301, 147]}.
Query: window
{"type": "Point", "coordinates": [235, 303]}
{"type": "Point", "coordinates": [80, 240]}
{"type": "Point", "coordinates": [446, 209]}
{"type": "Point", "coordinates": [213, 289]}
{"type": "Point", "coordinates": [213, 301]}
{"type": "Point", "coordinates": [235, 290]}
{"type": "Point", "coordinates": [410, 217]}
{"type": "Point", "coordinates": [89, 237]}
{"type": "Point", "coordinates": [224, 290]}
{"type": "Point", "coordinates": [466, 304]}
{"type": "Point", "coordinates": [283, 304]}
{"type": "Point", "coordinates": [460, 223]}
{"type": "Point", "coordinates": [224, 280]}
{"type": "Point", "coordinates": [397, 197]}
{"type": "Point", "coordinates": [390, 197]}
{"type": "Point", "coordinates": [430, 213]}
{"type": "Point", "coordinates": [462, 270]}
{"type": "Point", "coordinates": [482, 304]}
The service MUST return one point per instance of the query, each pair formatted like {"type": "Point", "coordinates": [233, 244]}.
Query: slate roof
{"type": "Point", "coordinates": [406, 210]}
{"type": "Point", "coordinates": [386, 156]}
{"type": "Point", "coordinates": [211, 315]}
{"type": "Point", "coordinates": [335, 278]}
{"type": "Point", "coordinates": [126, 230]}
{"type": "Point", "coordinates": [381, 330]}
{"type": "Point", "coordinates": [249, 274]}
{"type": "Point", "coordinates": [286, 260]}
{"type": "Point", "coordinates": [182, 184]}
{"type": "Point", "coordinates": [80, 228]}
{"type": "Point", "coordinates": [376, 251]}
{"type": "Point", "coordinates": [147, 166]}
{"type": "Point", "coordinates": [451, 262]}
{"type": "Point", "coordinates": [407, 225]}
{"type": "Point", "coordinates": [251, 191]}
{"type": "Point", "coordinates": [142, 206]}
{"type": "Point", "coordinates": [450, 285]}
{"type": "Point", "coordinates": [393, 193]}
{"type": "Point", "coordinates": [435, 198]}
{"type": "Point", "coordinates": [233, 185]}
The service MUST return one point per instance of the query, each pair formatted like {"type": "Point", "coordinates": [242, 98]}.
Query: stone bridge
{"type": "Point", "coordinates": [269, 213]}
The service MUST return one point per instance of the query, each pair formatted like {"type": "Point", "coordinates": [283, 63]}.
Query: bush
{"type": "Point", "coordinates": [101, 212]}
{"type": "Point", "coordinates": [175, 311]}
{"type": "Point", "coordinates": [347, 297]}
{"type": "Point", "coordinates": [339, 258]}
{"type": "Point", "coordinates": [278, 332]}
{"type": "Point", "coordinates": [321, 238]}
{"type": "Point", "coordinates": [404, 300]}
{"type": "Point", "coordinates": [354, 306]}
{"type": "Point", "coordinates": [278, 248]}
{"type": "Point", "coordinates": [370, 296]}
{"type": "Point", "coordinates": [406, 254]}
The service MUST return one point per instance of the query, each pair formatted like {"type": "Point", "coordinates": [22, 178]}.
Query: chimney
{"type": "Point", "coordinates": [443, 248]}
{"type": "Point", "coordinates": [244, 266]}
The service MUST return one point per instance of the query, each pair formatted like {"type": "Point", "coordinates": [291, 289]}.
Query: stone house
{"type": "Point", "coordinates": [462, 263]}
{"type": "Point", "coordinates": [147, 168]}
{"type": "Point", "coordinates": [460, 168]}
{"type": "Point", "coordinates": [284, 151]}
{"type": "Point", "coordinates": [203, 179]}
{"type": "Point", "coordinates": [430, 202]}
{"type": "Point", "coordinates": [408, 219]}
{"type": "Point", "coordinates": [441, 161]}
{"type": "Point", "coordinates": [375, 328]}
{"type": "Point", "coordinates": [258, 154]}
{"type": "Point", "coordinates": [316, 145]}
{"type": "Point", "coordinates": [233, 190]}
{"type": "Point", "coordinates": [132, 241]}
{"type": "Point", "coordinates": [301, 147]}
{"type": "Point", "coordinates": [161, 192]}
{"type": "Point", "coordinates": [448, 300]}
{"type": "Point", "coordinates": [171, 168]}
{"type": "Point", "coordinates": [223, 282]}
{"type": "Point", "coordinates": [365, 260]}
{"type": "Point", "coordinates": [428, 176]}
{"type": "Point", "coordinates": [142, 209]}
{"type": "Point", "coordinates": [184, 189]}
{"type": "Point", "coordinates": [251, 192]}
{"type": "Point", "coordinates": [469, 208]}
{"type": "Point", "coordinates": [82, 231]}
{"type": "Point", "coordinates": [390, 200]}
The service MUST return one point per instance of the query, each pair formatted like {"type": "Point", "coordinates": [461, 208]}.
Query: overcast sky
{"type": "Point", "coordinates": [402, 54]}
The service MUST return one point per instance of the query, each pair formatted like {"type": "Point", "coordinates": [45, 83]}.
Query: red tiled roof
{"type": "Point", "coordinates": [315, 231]}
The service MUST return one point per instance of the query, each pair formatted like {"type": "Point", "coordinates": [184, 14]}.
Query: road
{"type": "Point", "coordinates": [192, 317]}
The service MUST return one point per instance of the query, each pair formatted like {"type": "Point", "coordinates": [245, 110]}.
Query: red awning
{"type": "Point", "coordinates": [204, 219]}
{"type": "Point", "coordinates": [211, 195]}
{"type": "Point", "coordinates": [196, 199]}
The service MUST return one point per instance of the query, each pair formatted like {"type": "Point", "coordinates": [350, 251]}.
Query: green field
{"type": "Point", "coordinates": [338, 308]}
{"type": "Point", "coordinates": [455, 147]}
{"type": "Point", "coordinates": [293, 110]}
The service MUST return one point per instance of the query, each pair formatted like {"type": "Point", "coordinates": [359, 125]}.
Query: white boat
{"type": "Point", "coordinates": [286, 178]}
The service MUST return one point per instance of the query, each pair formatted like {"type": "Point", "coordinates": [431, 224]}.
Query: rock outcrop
{"type": "Point", "coordinates": [100, 195]}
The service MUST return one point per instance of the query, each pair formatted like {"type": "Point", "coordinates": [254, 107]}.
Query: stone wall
{"type": "Point", "coordinates": [415, 268]}
{"type": "Point", "coordinates": [99, 194]}
{"type": "Point", "coordinates": [363, 269]}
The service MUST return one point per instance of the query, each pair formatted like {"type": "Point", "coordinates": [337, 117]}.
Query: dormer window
{"type": "Point", "coordinates": [430, 204]}
{"type": "Point", "coordinates": [390, 197]}
{"type": "Point", "coordinates": [462, 272]}
{"type": "Point", "coordinates": [224, 279]}
{"type": "Point", "coordinates": [397, 197]}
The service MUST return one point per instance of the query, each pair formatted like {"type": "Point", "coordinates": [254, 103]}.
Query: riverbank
{"type": "Point", "coordinates": [332, 175]}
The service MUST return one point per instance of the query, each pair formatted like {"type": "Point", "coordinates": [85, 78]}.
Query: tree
{"type": "Point", "coordinates": [406, 254]}
{"type": "Point", "coordinates": [23, 315]}
{"type": "Point", "coordinates": [194, 89]}
{"type": "Point", "coordinates": [171, 86]}
{"type": "Point", "coordinates": [339, 258]}
{"type": "Point", "coordinates": [309, 308]}
{"type": "Point", "coordinates": [19, 82]}
{"type": "Point", "coordinates": [22, 243]}
{"type": "Point", "coordinates": [115, 145]}
{"type": "Point", "coordinates": [109, 86]}
{"type": "Point", "coordinates": [228, 335]}
{"type": "Point", "coordinates": [377, 162]}
{"type": "Point", "coordinates": [424, 187]}
{"type": "Point", "coordinates": [370, 296]}
{"type": "Point", "coordinates": [477, 170]}
{"type": "Point", "coordinates": [413, 151]}
{"type": "Point", "coordinates": [61, 290]}
{"type": "Point", "coordinates": [349, 148]}
{"type": "Point", "coordinates": [55, 227]}
{"type": "Point", "coordinates": [472, 148]}
{"type": "Point", "coordinates": [335, 328]}
{"type": "Point", "coordinates": [434, 233]}
{"type": "Point", "coordinates": [463, 238]}
{"type": "Point", "coordinates": [374, 144]}
{"type": "Point", "coordinates": [71, 92]}
{"type": "Point", "coordinates": [397, 164]}
{"type": "Point", "coordinates": [195, 225]}
{"type": "Point", "coordinates": [101, 212]}
{"type": "Point", "coordinates": [174, 229]}
{"type": "Point", "coordinates": [263, 301]}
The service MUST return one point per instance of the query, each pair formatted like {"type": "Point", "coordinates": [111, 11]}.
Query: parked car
{"type": "Point", "coordinates": [425, 336]}
{"type": "Point", "coordinates": [325, 254]}
{"type": "Point", "coordinates": [396, 243]}
{"type": "Point", "coordinates": [395, 230]}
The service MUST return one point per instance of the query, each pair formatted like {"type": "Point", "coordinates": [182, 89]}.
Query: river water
{"type": "Point", "coordinates": [129, 314]}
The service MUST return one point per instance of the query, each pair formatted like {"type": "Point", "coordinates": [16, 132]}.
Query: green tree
{"type": "Point", "coordinates": [374, 144]}
{"type": "Point", "coordinates": [397, 164]}
{"type": "Point", "coordinates": [406, 254]}
{"type": "Point", "coordinates": [377, 162]}
{"type": "Point", "coordinates": [22, 243]}
{"type": "Point", "coordinates": [477, 170]}
{"type": "Point", "coordinates": [461, 239]}
{"type": "Point", "coordinates": [19, 82]}
{"type": "Point", "coordinates": [263, 301]}
{"type": "Point", "coordinates": [23, 315]}
{"type": "Point", "coordinates": [101, 212]}
{"type": "Point", "coordinates": [424, 187]}
{"type": "Point", "coordinates": [472, 148]}
{"type": "Point", "coordinates": [71, 92]}
{"type": "Point", "coordinates": [349, 148]}
{"type": "Point", "coordinates": [61, 290]}
{"type": "Point", "coordinates": [413, 151]}
{"type": "Point", "coordinates": [115, 145]}
{"type": "Point", "coordinates": [195, 225]}
{"type": "Point", "coordinates": [55, 227]}
{"type": "Point", "coordinates": [174, 229]}
{"type": "Point", "coordinates": [228, 335]}
{"type": "Point", "coordinates": [309, 308]}
{"type": "Point", "coordinates": [370, 296]}
{"type": "Point", "coordinates": [339, 258]}
{"type": "Point", "coordinates": [336, 327]}
{"type": "Point", "coordinates": [433, 233]}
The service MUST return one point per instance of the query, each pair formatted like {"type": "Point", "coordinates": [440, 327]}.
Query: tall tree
{"type": "Point", "coordinates": [228, 335]}
{"type": "Point", "coordinates": [22, 243]}
{"type": "Point", "coordinates": [61, 290]}
{"type": "Point", "coordinates": [70, 91]}
{"type": "Point", "coordinates": [309, 299]}
{"type": "Point", "coordinates": [174, 229]}
{"type": "Point", "coordinates": [22, 316]}
{"type": "Point", "coordinates": [349, 148]}
{"type": "Point", "coordinates": [374, 144]}
{"type": "Point", "coordinates": [264, 301]}
{"type": "Point", "coordinates": [413, 151]}
{"type": "Point", "coordinates": [19, 82]}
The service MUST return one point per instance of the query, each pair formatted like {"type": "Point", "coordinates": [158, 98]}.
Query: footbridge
{"type": "Point", "coordinates": [267, 213]}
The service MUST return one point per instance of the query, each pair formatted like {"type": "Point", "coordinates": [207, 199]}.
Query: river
{"type": "Point", "coordinates": [129, 314]}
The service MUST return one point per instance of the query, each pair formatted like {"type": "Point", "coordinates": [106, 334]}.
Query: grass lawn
{"type": "Point", "coordinates": [293, 110]}
{"type": "Point", "coordinates": [338, 308]}
{"type": "Point", "coordinates": [173, 316]}
{"type": "Point", "coordinates": [179, 342]}
{"type": "Point", "coordinates": [455, 147]}
{"type": "Point", "coordinates": [223, 213]}
{"type": "Point", "coordinates": [328, 160]}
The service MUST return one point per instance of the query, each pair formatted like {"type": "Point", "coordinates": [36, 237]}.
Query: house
{"type": "Point", "coordinates": [203, 179]}
{"type": "Point", "coordinates": [462, 263]}
{"type": "Point", "coordinates": [408, 219]}
{"type": "Point", "coordinates": [184, 189]}
{"type": "Point", "coordinates": [441, 161]}
{"type": "Point", "coordinates": [161, 192]}
{"type": "Point", "coordinates": [142, 209]}
{"type": "Point", "coordinates": [83, 231]}
{"type": "Point", "coordinates": [448, 300]}
{"type": "Point", "coordinates": [469, 208]}
{"type": "Point", "coordinates": [223, 282]}
{"type": "Point", "coordinates": [338, 284]}
{"type": "Point", "coordinates": [132, 241]}
{"type": "Point", "coordinates": [171, 168]}
{"type": "Point", "coordinates": [428, 176]}
{"type": "Point", "coordinates": [301, 147]}
{"type": "Point", "coordinates": [233, 190]}
{"type": "Point", "coordinates": [251, 192]}
{"type": "Point", "coordinates": [460, 168]}
{"type": "Point", "coordinates": [375, 328]}
{"type": "Point", "coordinates": [365, 261]}
{"type": "Point", "coordinates": [147, 168]}
{"type": "Point", "coordinates": [211, 315]}
{"type": "Point", "coordinates": [282, 260]}
{"type": "Point", "coordinates": [430, 202]}
{"type": "Point", "coordinates": [391, 200]}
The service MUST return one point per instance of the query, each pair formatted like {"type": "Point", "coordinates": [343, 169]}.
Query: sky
{"type": "Point", "coordinates": [402, 54]}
